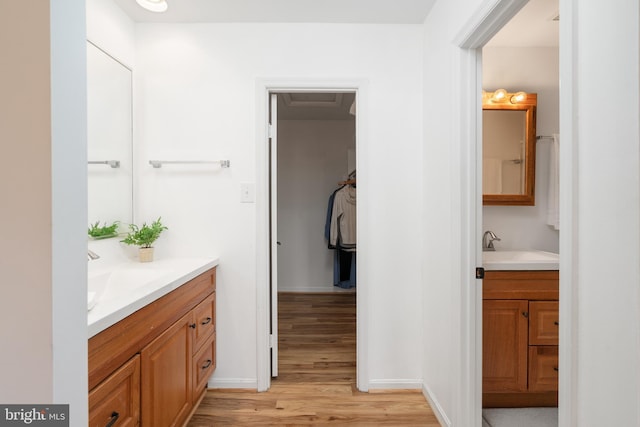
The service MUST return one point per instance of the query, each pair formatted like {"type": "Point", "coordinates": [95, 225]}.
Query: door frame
{"type": "Point", "coordinates": [264, 87]}
{"type": "Point", "coordinates": [488, 19]}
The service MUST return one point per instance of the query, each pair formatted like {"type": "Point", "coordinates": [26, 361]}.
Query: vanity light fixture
{"type": "Point", "coordinates": [501, 95]}
{"type": "Point", "coordinates": [154, 5]}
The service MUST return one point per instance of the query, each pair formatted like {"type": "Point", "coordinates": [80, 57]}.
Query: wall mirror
{"type": "Point", "coordinates": [109, 139]}
{"type": "Point", "coordinates": [508, 148]}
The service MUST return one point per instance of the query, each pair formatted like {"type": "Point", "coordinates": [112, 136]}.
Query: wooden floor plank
{"type": "Point", "coordinates": [317, 377]}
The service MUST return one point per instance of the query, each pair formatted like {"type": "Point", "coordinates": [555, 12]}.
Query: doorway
{"type": "Point", "coordinates": [269, 278]}
{"type": "Point", "coordinates": [313, 227]}
{"type": "Point", "coordinates": [473, 37]}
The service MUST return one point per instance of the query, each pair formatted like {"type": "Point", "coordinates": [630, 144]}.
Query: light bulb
{"type": "Point", "coordinates": [154, 5]}
{"type": "Point", "coordinates": [518, 97]}
{"type": "Point", "coordinates": [499, 95]}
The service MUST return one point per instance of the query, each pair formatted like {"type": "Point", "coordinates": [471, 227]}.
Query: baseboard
{"type": "Point", "coordinates": [435, 407]}
{"type": "Point", "coordinates": [244, 383]}
{"type": "Point", "coordinates": [404, 384]}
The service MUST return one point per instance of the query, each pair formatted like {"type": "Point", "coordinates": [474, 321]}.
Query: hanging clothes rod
{"type": "Point", "coordinates": [347, 182]}
{"type": "Point", "coordinates": [158, 163]}
{"type": "Point", "coordinates": [113, 163]}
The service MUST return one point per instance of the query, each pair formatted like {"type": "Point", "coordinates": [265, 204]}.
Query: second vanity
{"type": "Point", "coordinates": [520, 329]}
{"type": "Point", "coordinates": [152, 344]}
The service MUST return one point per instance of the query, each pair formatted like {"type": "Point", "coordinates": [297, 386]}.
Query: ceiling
{"type": "Point", "coordinates": [315, 106]}
{"type": "Point", "coordinates": [533, 26]}
{"type": "Point", "coordinates": [302, 11]}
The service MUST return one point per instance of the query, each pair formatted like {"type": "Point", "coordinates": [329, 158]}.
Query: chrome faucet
{"type": "Point", "coordinates": [92, 255]}
{"type": "Point", "coordinates": [487, 240]}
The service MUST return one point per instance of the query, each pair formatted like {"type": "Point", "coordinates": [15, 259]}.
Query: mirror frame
{"type": "Point", "coordinates": [529, 105]}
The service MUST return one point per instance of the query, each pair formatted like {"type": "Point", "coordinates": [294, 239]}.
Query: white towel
{"type": "Point", "coordinates": [553, 195]}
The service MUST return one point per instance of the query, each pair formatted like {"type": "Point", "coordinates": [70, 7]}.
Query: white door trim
{"type": "Point", "coordinates": [490, 17]}
{"type": "Point", "coordinates": [263, 88]}
{"type": "Point", "coordinates": [272, 137]}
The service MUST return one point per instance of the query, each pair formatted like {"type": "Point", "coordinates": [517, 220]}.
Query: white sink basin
{"type": "Point", "coordinates": [520, 260]}
{"type": "Point", "coordinates": [114, 284]}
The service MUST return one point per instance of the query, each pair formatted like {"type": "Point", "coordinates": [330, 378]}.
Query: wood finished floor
{"type": "Point", "coordinates": [317, 376]}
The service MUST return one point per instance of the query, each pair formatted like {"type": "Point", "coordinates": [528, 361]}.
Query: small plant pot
{"type": "Point", "coordinates": [145, 254]}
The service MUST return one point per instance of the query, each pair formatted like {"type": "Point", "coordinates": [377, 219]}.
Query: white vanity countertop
{"type": "Point", "coordinates": [120, 290]}
{"type": "Point", "coordinates": [528, 259]}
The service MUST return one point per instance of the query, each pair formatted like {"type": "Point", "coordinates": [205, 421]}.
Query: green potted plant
{"type": "Point", "coordinates": [98, 232]}
{"type": "Point", "coordinates": [143, 237]}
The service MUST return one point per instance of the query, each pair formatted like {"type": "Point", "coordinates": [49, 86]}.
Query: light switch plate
{"type": "Point", "coordinates": [247, 192]}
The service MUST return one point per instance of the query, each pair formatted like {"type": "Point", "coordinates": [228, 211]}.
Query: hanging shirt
{"type": "Point", "coordinates": [343, 219]}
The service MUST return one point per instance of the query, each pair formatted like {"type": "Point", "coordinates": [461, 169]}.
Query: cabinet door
{"type": "Point", "coordinates": [543, 322]}
{"type": "Point", "coordinates": [504, 345]}
{"type": "Point", "coordinates": [205, 321]}
{"type": "Point", "coordinates": [116, 400]}
{"type": "Point", "coordinates": [166, 376]}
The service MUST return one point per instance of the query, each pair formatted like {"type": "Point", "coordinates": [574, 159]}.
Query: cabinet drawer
{"type": "Point", "coordinates": [204, 363]}
{"type": "Point", "coordinates": [117, 398]}
{"type": "Point", "coordinates": [543, 368]}
{"type": "Point", "coordinates": [543, 322]}
{"type": "Point", "coordinates": [205, 321]}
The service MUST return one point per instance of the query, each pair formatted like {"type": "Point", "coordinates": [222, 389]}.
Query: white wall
{"type": "Point", "coordinates": [43, 186]}
{"type": "Point", "coordinates": [600, 182]}
{"type": "Point", "coordinates": [531, 69]}
{"type": "Point", "coordinates": [112, 30]}
{"type": "Point", "coordinates": [312, 158]}
{"type": "Point", "coordinates": [196, 99]}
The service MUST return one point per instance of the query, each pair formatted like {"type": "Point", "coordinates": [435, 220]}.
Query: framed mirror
{"type": "Point", "coordinates": [109, 139]}
{"type": "Point", "coordinates": [508, 148]}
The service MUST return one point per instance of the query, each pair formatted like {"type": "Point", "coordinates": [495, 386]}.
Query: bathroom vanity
{"type": "Point", "coordinates": [520, 334]}
{"type": "Point", "coordinates": [150, 368]}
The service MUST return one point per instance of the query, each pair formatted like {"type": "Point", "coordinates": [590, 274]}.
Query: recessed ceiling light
{"type": "Point", "coordinates": [154, 5]}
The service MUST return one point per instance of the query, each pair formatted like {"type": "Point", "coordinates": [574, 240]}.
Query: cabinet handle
{"type": "Point", "coordinates": [192, 326]}
{"type": "Point", "coordinates": [206, 365]}
{"type": "Point", "coordinates": [114, 418]}
{"type": "Point", "coordinates": [525, 314]}
{"type": "Point", "coordinates": [555, 368]}
{"type": "Point", "coordinates": [556, 323]}
{"type": "Point", "coordinates": [206, 321]}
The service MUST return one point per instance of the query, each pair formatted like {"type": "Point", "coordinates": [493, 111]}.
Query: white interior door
{"type": "Point", "coordinates": [273, 232]}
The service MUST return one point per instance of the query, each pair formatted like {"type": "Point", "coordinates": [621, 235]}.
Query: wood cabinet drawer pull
{"type": "Point", "coordinates": [206, 365]}
{"type": "Point", "coordinates": [525, 314]}
{"type": "Point", "coordinates": [192, 325]}
{"type": "Point", "coordinates": [556, 323]}
{"type": "Point", "coordinates": [114, 418]}
{"type": "Point", "coordinates": [206, 321]}
{"type": "Point", "coordinates": [555, 368]}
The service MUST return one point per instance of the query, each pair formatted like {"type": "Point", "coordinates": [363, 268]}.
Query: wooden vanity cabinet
{"type": "Point", "coordinates": [171, 343]}
{"type": "Point", "coordinates": [520, 338]}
